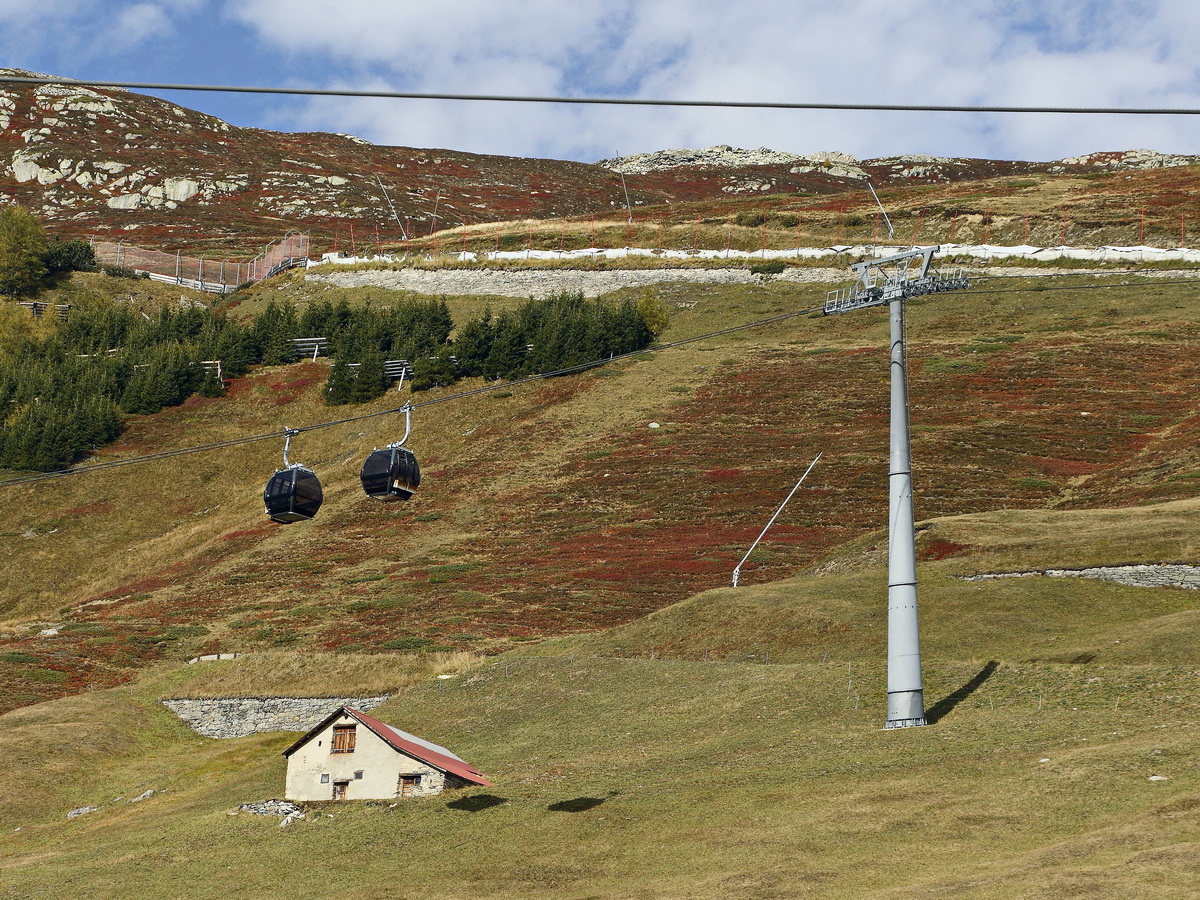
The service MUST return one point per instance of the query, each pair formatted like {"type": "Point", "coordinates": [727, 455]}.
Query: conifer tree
{"type": "Point", "coordinates": [473, 343]}
{"type": "Point", "coordinates": [339, 388]}
{"type": "Point", "coordinates": [369, 380]}
{"type": "Point", "coordinates": [22, 246]}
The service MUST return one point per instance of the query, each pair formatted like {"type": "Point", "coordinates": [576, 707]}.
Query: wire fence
{"type": "Point", "coordinates": [215, 275]}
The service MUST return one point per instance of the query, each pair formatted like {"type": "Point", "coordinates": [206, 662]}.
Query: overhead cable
{"type": "Point", "coordinates": [498, 385]}
{"type": "Point", "coordinates": [276, 435]}
{"type": "Point", "coordinates": [610, 101]}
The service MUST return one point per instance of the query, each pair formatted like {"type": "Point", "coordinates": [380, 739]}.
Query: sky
{"type": "Point", "coordinates": [1094, 53]}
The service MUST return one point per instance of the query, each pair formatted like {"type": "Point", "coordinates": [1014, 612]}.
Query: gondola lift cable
{"type": "Point", "coordinates": [274, 435]}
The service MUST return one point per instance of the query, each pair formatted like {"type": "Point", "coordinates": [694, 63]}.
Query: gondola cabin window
{"type": "Point", "coordinates": [343, 739]}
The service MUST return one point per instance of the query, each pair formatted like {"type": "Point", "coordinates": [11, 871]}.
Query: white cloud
{"type": "Point", "coordinates": [83, 30]}
{"type": "Point", "coordinates": [137, 23]}
{"type": "Point", "coordinates": [997, 52]}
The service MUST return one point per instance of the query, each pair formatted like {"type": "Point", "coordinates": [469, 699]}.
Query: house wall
{"type": "Point", "coordinates": [380, 763]}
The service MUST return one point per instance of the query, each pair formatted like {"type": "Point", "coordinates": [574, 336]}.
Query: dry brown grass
{"type": "Point", "coordinates": [296, 674]}
{"type": "Point", "coordinates": [552, 508]}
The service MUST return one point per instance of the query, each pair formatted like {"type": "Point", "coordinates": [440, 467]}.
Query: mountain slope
{"type": "Point", "coordinates": [555, 508]}
{"type": "Point", "coordinates": [124, 166]}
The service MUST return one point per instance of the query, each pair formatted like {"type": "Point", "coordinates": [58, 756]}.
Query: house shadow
{"type": "Point", "coordinates": [944, 706]}
{"type": "Point", "coordinates": [476, 803]}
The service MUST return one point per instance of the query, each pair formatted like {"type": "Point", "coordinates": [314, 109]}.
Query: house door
{"type": "Point", "coordinates": [339, 789]}
{"type": "Point", "coordinates": [409, 784]}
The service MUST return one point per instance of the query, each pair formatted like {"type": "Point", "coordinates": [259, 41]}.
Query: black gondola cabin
{"type": "Point", "coordinates": [293, 495]}
{"type": "Point", "coordinates": [390, 474]}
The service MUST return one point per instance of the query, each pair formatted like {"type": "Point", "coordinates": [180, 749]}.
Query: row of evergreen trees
{"type": "Point", "coordinates": [66, 394]}
{"type": "Point", "coordinates": [541, 335]}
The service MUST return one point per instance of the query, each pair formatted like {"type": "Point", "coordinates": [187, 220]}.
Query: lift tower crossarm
{"type": "Point", "coordinates": [890, 277]}
{"type": "Point", "coordinates": [892, 280]}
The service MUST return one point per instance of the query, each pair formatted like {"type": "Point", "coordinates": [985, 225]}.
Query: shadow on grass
{"type": "Point", "coordinates": [477, 803]}
{"type": "Point", "coordinates": [579, 804]}
{"type": "Point", "coordinates": [944, 706]}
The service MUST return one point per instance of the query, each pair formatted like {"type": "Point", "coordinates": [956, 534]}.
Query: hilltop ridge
{"type": "Point", "coordinates": [119, 165]}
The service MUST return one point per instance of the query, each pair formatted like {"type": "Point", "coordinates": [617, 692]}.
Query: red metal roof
{"type": "Point", "coordinates": [425, 751]}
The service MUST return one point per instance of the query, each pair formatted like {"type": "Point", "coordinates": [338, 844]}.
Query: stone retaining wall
{"type": "Point", "coordinates": [527, 282]}
{"type": "Point", "coordinates": [1165, 575]}
{"type": "Point", "coordinates": [234, 717]}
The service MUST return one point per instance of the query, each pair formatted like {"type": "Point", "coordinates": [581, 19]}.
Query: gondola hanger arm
{"type": "Point", "coordinates": [407, 410]}
{"type": "Point", "coordinates": [289, 433]}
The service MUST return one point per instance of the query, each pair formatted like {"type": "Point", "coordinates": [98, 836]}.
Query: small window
{"type": "Point", "coordinates": [358, 775]}
{"type": "Point", "coordinates": [325, 778]}
{"type": "Point", "coordinates": [343, 739]}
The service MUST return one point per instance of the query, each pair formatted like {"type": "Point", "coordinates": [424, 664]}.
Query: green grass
{"type": "Point", "coordinates": [663, 778]}
{"type": "Point", "coordinates": [695, 767]}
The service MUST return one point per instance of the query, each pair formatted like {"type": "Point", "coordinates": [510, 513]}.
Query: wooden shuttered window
{"type": "Point", "coordinates": [343, 739]}
{"type": "Point", "coordinates": [408, 785]}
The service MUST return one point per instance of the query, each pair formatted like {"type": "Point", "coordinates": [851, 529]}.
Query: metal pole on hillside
{"type": "Point", "coordinates": [890, 281]}
{"type": "Point", "coordinates": [737, 571]}
{"type": "Point", "coordinates": [905, 691]}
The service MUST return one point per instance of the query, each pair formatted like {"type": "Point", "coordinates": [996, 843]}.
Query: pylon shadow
{"type": "Point", "coordinates": [944, 706]}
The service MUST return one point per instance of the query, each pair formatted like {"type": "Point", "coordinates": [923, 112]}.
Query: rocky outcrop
{"type": "Point", "coordinates": [843, 165]}
{"type": "Point", "coordinates": [274, 807]}
{"type": "Point", "coordinates": [723, 156]}
{"type": "Point", "coordinates": [1125, 159]}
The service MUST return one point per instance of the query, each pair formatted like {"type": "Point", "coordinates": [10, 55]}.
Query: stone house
{"type": "Point", "coordinates": [352, 756]}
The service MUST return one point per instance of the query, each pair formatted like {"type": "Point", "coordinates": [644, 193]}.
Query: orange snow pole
{"type": "Point", "coordinates": [920, 221]}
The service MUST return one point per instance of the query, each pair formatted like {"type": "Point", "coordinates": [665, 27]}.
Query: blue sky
{"type": "Point", "coordinates": [999, 52]}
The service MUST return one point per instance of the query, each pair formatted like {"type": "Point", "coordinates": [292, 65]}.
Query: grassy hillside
{"type": "Point", "coordinates": [675, 777]}
{"type": "Point", "coordinates": [669, 736]}
{"type": "Point", "coordinates": [1086, 209]}
{"type": "Point", "coordinates": [554, 508]}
